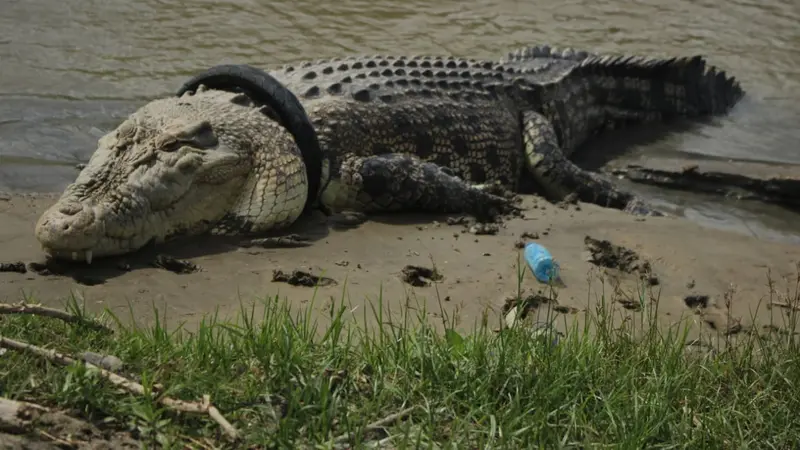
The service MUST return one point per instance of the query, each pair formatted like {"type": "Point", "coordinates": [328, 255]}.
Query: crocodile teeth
{"type": "Point", "coordinates": [88, 256]}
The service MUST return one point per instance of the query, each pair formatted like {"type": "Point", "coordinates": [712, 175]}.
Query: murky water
{"type": "Point", "coordinates": [71, 70]}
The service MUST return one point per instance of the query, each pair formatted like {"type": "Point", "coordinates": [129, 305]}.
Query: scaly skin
{"type": "Point", "coordinates": [168, 171]}
{"type": "Point", "coordinates": [395, 133]}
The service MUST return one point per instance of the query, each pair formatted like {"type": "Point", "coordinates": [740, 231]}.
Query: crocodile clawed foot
{"type": "Point", "coordinates": [496, 189]}
{"type": "Point", "coordinates": [490, 207]}
{"type": "Point", "coordinates": [347, 219]}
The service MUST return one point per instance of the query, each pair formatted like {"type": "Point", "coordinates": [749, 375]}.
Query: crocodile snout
{"type": "Point", "coordinates": [67, 226]}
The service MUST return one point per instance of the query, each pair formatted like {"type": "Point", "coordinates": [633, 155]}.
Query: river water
{"type": "Point", "coordinates": [72, 70]}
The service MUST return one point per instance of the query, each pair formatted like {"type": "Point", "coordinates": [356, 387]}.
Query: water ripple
{"type": "Point", "coordinates": [81, 57]}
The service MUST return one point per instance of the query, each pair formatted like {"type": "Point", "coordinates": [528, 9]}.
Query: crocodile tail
{"type": "Point", "coordinates": [684, 86]}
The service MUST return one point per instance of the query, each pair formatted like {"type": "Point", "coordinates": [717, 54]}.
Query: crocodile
{"type": "Point", "coordinates": [242, 151]}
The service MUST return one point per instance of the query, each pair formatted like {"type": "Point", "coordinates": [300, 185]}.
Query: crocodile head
{"type": "Point", "coordinates": [204, 161]}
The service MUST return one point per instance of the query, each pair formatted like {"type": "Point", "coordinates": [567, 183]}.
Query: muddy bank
{"type": "Point", "coordinates": [446, 266]}
{"type": "Point", "coordinates": [769, 183]}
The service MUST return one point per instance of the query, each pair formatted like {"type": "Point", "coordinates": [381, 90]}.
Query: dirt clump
{"type": "Point", "coordinates": [519, 308]}
{"type": "Point", "coordinates": [524, 238]}
{"type": "Point", "coordinates": [174, 265]}
{"type": "Point", "coordinates": [419, 276]}
{"type": "Point", "coordinates": [460, 220]}
{"type": "Point", "coordinates": [528, 302]}
{"type": "Point", "coordinates": [30, 426]}
{"type": "Point", "coordinates": [484, 229]}
{"type": "Point", "coordinates": [696, 301]}
{"type": "Point", "coordinates": [301, 278]}
{"type": "Point", "coordinates": [605, 254]}
{"type": "Point", "coordinates": [18, 267]}
{"type": "Point", "coordinates": [716, 317]}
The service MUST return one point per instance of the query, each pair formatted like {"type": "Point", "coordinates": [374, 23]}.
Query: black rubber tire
{"type": "Point", "coordinates": [262, 88]}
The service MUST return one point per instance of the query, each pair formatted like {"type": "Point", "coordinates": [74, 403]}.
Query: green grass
{"type": "Point", "coordinates": [284, 383]}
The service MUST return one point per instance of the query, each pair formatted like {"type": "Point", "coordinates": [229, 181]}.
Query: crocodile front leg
{"type": "Point", "coordinates": [401, 182]}
{"type": "Point", "coordinates": [558, 176]}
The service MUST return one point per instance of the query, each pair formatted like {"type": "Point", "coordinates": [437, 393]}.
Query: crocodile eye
{"type": "Point", "coordinates": [126, 130]}
{"type": "Point", "coordinates": [199, 135]}
{"type": "Point", "coordinates": [172, 145]}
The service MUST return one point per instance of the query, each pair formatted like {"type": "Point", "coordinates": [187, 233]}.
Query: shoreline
{"type": "Point", "coordinates": [479, 270]}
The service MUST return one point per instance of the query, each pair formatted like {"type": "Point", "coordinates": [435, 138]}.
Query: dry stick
{"type": "Point", "coordinates": [379, 423]}
{"type": "Point", "coordinates": [131, 386]}
{"type": "Point", "coordinates": [61, 442]}
{"type": "Point", "coordinates": [39, 310]}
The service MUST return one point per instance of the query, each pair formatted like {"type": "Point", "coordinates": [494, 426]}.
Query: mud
{"type": "Point", "coordinates": [419, 276]}
{"type": "Point", "coordinates": [718, 317]}
{"type": "Point", "coordinates": [56, 430]}
{"type": "Point", "coordinates": [93, 275]}
{"type": "Point", "coordinates": [696, 301]}
{"type": "Point", "coordinates": [288, 241]}
{"type": "Point", "coordinates": [752, 181]}
{"type": "Point", "coordinates": [50, 268]}
{"type": "Point", "coordinates": [367, 262]}
{"type": "Point", "coordinates": [484, 229]}
{"type": "Point", "coordinates": [537, 309]}
{"type": "Point", "coordinates": [18, 267]}
{"type": "Point", "coordinates": [605, 254]}
{"type": "Point", "coordinates": [301, 278]}
{"type": "Point", "coordinates": [174, 265]}
{"type": "Point", "coordinates": [525, 237]}
{"type": "Point", "coordinates": [346, 219]}
{"type": "Point", "coordinates": [527, 303]}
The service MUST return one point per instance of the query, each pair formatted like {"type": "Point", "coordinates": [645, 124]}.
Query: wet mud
{"type": "Point", "coordinates": [301, 278]}
{"type": "Point", "coordinates": [750, 181]}
{"type": "Point", "coordinates": [419, 276]}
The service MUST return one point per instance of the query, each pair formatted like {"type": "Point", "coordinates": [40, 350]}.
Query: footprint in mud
{"type": "Point", "coordinates": [717, 318]}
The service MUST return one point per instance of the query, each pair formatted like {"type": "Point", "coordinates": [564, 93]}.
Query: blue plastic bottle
{"type": "Point", "coordinates": [541, 262]}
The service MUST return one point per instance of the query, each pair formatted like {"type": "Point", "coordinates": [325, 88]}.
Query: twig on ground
{"type": "Point", "coordinates": [39, 310]}
{"type": "Point", "coordinates": [196, 442]}
{"type": "Point", "coordinates": [378, 424]}
{"type": "Point", "coordinates": [61, 442]}
{"type": "Point", "coordinates": [131, 386]}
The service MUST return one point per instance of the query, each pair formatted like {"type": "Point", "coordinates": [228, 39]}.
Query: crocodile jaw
{"type": "Point", "coordinates": [84, 224]}
{"type": "Point", "coordinates": [177, 166]}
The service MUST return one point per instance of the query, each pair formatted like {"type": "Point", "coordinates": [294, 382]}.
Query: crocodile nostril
{"type": "Point", "coordinates": [65, 227]}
